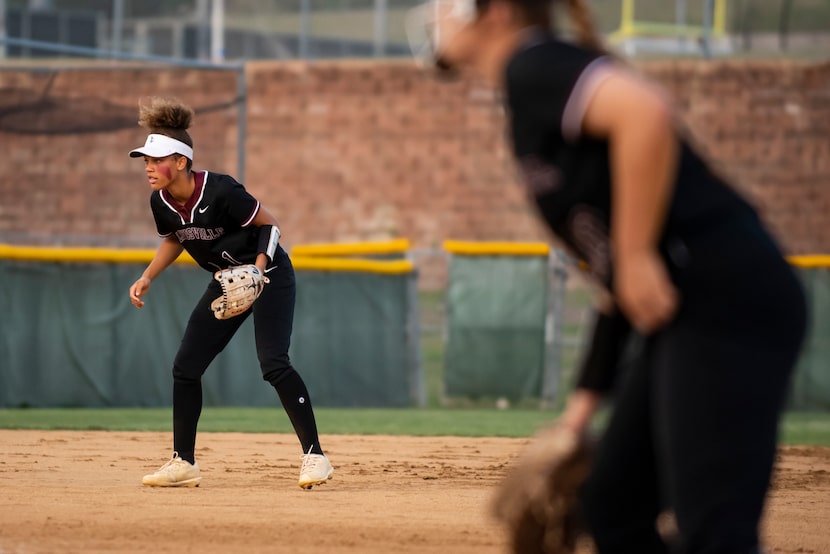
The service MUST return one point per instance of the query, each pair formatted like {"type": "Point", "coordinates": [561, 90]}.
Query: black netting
{"type": "Point", "coordinates": [39, 111]}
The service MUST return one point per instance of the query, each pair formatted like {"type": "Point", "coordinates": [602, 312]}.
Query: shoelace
{"type": "Point", "coordinates": [310, 461]}
{"type": "Point", "coordinates": [170, 463]}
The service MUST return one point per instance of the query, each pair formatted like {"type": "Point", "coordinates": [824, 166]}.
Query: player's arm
{"type": "Point", "coordinates": [269, 236]}
{"type": "Point", "coordinates": [167, 252]}
{"type": "Point", "coordinates": [644, 150]}
{"type": "Point", "coordinates": [599, 368]}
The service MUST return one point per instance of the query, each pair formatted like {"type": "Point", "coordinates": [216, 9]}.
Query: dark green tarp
{"type": "Point", "coordinates": [71, 337]}
{"type": "Point", "coordinates": [496, 307]}
{"type": "Point", "coordinates": [811, 384]}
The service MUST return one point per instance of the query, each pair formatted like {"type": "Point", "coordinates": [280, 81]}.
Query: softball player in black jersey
{"type": "Point", "coordinates": [685, 263]}
{"type": "Point", "coordinates": [220, 225]}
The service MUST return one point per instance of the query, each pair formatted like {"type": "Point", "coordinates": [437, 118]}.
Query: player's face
{"type": "Point", "coordinates": [163, 171]}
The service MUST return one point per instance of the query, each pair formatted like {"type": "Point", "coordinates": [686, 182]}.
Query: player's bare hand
{"type": "Point", "coordinates": [139, 288]}
{"type": "Point", "coordinates": [579, 409]}
{"type": "Point", "coordinates": [645, 292]}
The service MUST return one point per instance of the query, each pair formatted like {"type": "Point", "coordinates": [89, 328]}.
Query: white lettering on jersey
{"type": "Point", "coordinates": [590, 236]}
{"type": "Point", "coordinates": [199, 233]}
{"type": "Point", "coordinates": [539, 176]}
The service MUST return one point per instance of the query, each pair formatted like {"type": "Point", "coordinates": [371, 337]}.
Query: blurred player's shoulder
{"type": "Point", "coordinates": [545, 60]}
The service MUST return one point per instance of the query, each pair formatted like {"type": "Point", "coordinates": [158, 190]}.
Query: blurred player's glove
{"type": "Point", "coordinates": [538, 499]}
{"type": "Point", "coordinates": [241, 285]}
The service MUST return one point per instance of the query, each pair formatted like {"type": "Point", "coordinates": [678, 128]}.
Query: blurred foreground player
{"type": "Point", "coordinates": [684, 262]}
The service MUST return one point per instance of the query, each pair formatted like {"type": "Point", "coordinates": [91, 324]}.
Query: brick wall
{"type": "Point", "coordinates": [365, 150]}
{"type": "Point", "coordinates": [767, 126]}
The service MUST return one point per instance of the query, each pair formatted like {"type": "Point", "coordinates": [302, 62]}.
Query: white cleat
{"type": "Point", "coordinates": [316, 470]}
{"type": "Point", "coordinates": [175, 473]}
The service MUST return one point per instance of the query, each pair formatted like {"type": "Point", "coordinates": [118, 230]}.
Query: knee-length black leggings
{"type": "Point", "coordinates": [695, 420]}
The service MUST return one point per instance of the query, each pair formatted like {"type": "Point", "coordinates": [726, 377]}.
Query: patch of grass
{"type": "Point", "coordinates": [797, 429]}
{"type": "Point", "coordinates": [806, 428]}
{"type": "Point", "coordinates": [337, 421]}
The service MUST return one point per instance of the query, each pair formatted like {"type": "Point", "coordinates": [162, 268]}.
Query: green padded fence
{"type": "Point", "coordinates": [811, 384]}
{"type": "Point", "coordinates": [496, 346]}
{"type": "Point", "coordinates": [496, 309]}
{"type": "Point", "coordinates": [357, 319]}
{"type": "Point", "coordinates": [71, 337]}
{"type": "Point", "coordinates": [351, 339]}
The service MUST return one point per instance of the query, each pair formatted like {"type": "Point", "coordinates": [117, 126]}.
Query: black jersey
{"type": "Point", "coordinates": [549, 83]}
{"type": "Point", "coordinates": [214, 226]}
{"type": "Point", "coordinates": [568, 175]}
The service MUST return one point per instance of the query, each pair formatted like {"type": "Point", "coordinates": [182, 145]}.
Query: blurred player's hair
{"type": "Point", "coordinates": [540, 12]}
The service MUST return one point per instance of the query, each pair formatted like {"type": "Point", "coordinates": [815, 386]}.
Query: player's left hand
{"type": "Point", "coordinates": [138, 290]}
{"type": "Point", "coordinates": [644, 291]}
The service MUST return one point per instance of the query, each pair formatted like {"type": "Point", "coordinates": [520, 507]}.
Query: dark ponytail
{"type": "Point", "coordinates": [584, 25]}
{"type": "Point", "coordinates": [539, 12]}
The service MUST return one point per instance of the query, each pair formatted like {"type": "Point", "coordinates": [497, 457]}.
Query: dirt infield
{"type": "Point", "coordinates": [81, 492]}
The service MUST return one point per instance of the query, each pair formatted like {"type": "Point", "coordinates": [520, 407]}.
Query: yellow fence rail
{"type": "Point", "coordinates": [82, 255]}
{"type": "Point", "coordinates": [387, 267]}
{"type": "Point", "coordinates": [351, 248]}
{"type": "Point", "coordinates": [810, 261]}
{"type": "Point", "coordinates": [320, 262]}
{"type": "Point", "coordinates": [143, 256]}
{"type": "Point", "coordinates": [631, 27]}
{"type": "Point", "coordinates": [497, 248]}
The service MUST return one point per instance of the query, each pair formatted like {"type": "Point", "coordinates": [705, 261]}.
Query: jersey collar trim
{"type": "Point", "coordinates": [187, 212]}
{"type": "Point", "coordinates": [586, 85]}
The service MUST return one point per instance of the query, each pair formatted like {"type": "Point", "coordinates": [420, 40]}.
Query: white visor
{"type": "Point", "coordinates": [433, 24]}
{"type": "Point", "coordinates": [161, 146]}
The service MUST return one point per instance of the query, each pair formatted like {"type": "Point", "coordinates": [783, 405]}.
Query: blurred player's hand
{"type": "Point", "coordinates": [538, 500]}
{"type": "Point", "coordinates": [644, 291]}
{"type": "Point", "coordinates": [139, 288]}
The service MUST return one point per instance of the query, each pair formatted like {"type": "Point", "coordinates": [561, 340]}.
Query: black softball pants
{"type": "Point", "coordinates": [695, 421]}
{"type": "Point", "coordinates": [205, 337]}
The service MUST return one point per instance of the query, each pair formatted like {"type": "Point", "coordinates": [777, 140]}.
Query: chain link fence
{"type": "Point", "coordinates": [311, 29]}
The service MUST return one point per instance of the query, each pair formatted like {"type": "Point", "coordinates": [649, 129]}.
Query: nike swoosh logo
{"type": "Point", "coordinates": [203, 210]}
